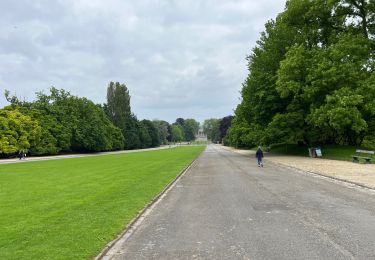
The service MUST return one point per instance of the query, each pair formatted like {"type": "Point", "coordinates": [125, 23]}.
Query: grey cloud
{"type": "Point", "coordinates": [178, 58]}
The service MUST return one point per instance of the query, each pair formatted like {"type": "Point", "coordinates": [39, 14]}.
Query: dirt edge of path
{"type": "Point", "coordinates": [342, 180]}
{"type": "Point", "coordinates": [361, 180]}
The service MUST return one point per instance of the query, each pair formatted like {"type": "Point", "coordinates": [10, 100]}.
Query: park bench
{"type": "Point", "coordinates": [363, 154]}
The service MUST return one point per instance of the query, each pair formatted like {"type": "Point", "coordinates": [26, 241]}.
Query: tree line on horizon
{"type": "Point", "coordinates": [311, 78]}
{"type": "Point", "coordinates": [216, 129]}
{"type": "Point", "coordinates": [59, 122]}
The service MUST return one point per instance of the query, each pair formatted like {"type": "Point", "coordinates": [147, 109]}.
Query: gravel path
{"type": "Point", "coordinates": [362, 174]}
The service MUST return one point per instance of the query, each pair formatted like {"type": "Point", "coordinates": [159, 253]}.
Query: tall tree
{"type": "Point", "coordinates": [225, 124]}
{"type": "Point", "coordinates": [119, 112]}
{"type": "Point", "coordinates": [118, 104]}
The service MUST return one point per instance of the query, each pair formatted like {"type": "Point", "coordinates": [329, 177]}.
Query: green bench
{"type": "Point", "coordinates": [363, 154]}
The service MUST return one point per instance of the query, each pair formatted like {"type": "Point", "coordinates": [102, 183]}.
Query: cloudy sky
{"type": "Point", "coordinates": [179, 58]}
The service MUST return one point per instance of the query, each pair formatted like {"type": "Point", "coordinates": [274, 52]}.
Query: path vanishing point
{"type": "Point", "coordinates": [225, 207]}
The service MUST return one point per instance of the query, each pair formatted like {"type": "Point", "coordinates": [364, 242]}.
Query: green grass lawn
{"type": "Point", "coordinates": [71, 208]}
{"type": "Point", "coordinates": [334, 152]}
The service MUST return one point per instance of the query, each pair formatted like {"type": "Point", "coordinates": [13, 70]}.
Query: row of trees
{"type": "Point", "coordinates": [137, 134]}
{"type": "Point", "coordinates": [60, 122]}
{"type": "Point", "coordinates": [145, 133]}
{"type": "Point", "coordinates": [57, 122]}
{"type": "Point", "coordinates": [216, 129]}
{"type": "Point", "coordinates": [184, 130]}
{"type": "Point", "coordinates": [311, 77]}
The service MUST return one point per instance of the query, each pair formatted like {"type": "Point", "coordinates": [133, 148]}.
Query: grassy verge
{"type": "Point", "coordinates": [334, 152]}
{"type": "Point", "coordinates": [200, 142]}
{"type": "Point", "coordinates": [71, 208]}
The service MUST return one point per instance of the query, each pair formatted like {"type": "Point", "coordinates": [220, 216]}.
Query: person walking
{"type": "Point", "coordinates": [259, 156]}
{"type": "Point", "coordinates": [20, 155]}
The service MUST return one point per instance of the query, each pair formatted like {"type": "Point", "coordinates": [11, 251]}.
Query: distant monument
{"type": "Point", "coordinates": [201, 136]}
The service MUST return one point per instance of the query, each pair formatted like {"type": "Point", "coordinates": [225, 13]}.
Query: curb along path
{"type": "Point", "coordinates": [228, 208]}
{"type": "Point", "coordinates": [114, 246]}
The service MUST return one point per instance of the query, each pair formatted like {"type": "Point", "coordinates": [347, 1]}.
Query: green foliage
{"type": "Point", "coordinates": [60, 122]}
{"type": "Point", "coordinates": [119, 112]}
{"type": "Point", "coordinates": [68, 123]}
{"type": "Point", "coordinates": [137, 134]}
{"type": "Point", "coordinates": [288, 127]}
{"type": "Point", "coordinates": [144, 136]}
{"type": "Point", "coordinates": [152, 132]}
{"type": "Point", "coordinates": [311, 77]}
{"type": "Point", "coordinates": [177, 133]}
{"type": "Point", "coordinates": [131, 133]}
{"type": "Point", "coordinates": [164, 131]}
{"type": "Point", "coordinates": [241, 135]}
{"type": "Point", "coordinates": [216, 129]}
{"type": "Point", "coordinates": [211, 129]}
{"type": "Point", "coordinates": [225, 124]}
{"type": "Point", "coordinates": [118, 104]}
{"type": "Point", "coordinates": [189, 128]}
{"type": "Point", "coordinates": [91, 132]}
{"type": "Point", "coordinates": [17, 131]}
{"type": "Point", "coordinates": [341, 113]}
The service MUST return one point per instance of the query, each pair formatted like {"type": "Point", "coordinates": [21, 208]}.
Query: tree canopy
{"type": "Point", "coordinates": [216, 129]}
{"type": "Point", "coordinates": [65, 123]}
{"type": "Point", "coordinates": [59, 122]}
{"type": "Point", "coordinates": [311, 77]}
{"type": "Point", "coordinates": [17, 131]}
{"type": "Point", "coordinates": [189, 128]}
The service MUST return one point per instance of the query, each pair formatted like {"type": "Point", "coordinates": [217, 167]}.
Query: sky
{"type": "Point", "coordinates": [178, 58]}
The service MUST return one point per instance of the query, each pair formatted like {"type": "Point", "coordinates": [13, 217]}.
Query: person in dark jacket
{"type": "Point", "coordinates": [259, 156]}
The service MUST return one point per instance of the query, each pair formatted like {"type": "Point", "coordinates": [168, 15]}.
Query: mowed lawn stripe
{"type": "Point", "coordinates": [71, 208]}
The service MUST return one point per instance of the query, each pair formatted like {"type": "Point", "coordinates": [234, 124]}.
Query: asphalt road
{"type": "Point", "coordinates": [225, 207]}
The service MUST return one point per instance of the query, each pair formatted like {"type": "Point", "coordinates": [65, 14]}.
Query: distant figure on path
{"type": "Point", "coordinates": [21, 155]}
{"type": "Point", "coordinates": [259, 156]}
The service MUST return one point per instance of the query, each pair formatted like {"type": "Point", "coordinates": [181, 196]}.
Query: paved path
{"type": "Point", "coordinates": [227, 208]}
{"type": "Point", "coordinates": [66, 156]}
